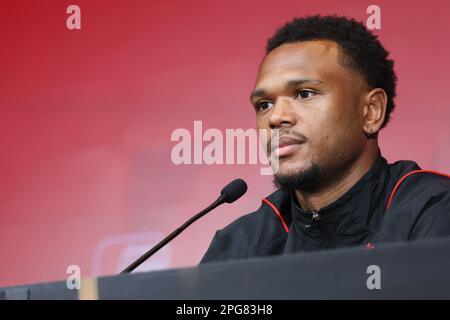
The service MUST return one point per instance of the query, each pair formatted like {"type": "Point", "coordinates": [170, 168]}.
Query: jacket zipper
{"type": "Point", "coordinates": [316, 218]}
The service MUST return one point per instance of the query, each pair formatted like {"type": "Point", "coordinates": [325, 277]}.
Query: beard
{"type": "Point", "coordinates": [301, 180]}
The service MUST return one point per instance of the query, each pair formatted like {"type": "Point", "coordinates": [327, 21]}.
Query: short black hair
{"type": "Point", "coordinates": [361, 50]}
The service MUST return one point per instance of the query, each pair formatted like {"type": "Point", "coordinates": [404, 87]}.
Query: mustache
{"type": "Point", "coordinates": [273, 141]}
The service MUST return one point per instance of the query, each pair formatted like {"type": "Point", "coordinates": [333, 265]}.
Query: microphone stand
{"type": "Point", "coordinates": [167, 239]}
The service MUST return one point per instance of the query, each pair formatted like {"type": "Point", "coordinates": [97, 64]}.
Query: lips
{"type": "Point", "coordinates": [287, 145]}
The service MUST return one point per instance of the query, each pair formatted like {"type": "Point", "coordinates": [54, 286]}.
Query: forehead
{"type": "Point", "coordinates": [317, 59]}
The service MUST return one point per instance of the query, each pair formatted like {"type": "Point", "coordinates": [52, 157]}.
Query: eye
{"type": "Point", "coordinates": [263, 105]}
{"type": "Point", "coordinates": [305, 94]}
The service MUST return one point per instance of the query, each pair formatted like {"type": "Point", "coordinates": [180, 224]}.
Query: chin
{"type": "Point", "coordinates": [292, 168]}
{"type": "Point", "coordinates": [296, 177]}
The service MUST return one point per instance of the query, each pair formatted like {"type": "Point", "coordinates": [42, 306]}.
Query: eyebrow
{"type": "Point", "coordinates": [291, 83]}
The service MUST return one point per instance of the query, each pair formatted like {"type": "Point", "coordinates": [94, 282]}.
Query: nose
{"type": "Point", "coordinates": [282, 114]}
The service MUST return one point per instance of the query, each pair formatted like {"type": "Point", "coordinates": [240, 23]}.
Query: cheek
{"type": "Point", "coordinates": [327, 134]}
{"type": "Point", "coordinates": [262, 121]}
{"type": "Point", "coordinates": [323, 144]}
{"type": "Point", "coordinates": [337, 119]}
{"type": "Point", "coordinates": [334, 139]}
{"type": "Point", "coordinates": [264, 132]}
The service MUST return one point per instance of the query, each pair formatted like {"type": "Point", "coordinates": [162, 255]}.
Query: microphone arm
{"type": "Point", "coordinates": [162, 243]}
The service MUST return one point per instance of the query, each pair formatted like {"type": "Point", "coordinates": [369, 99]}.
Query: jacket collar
{"type": "Point", "coordinates": [343, 208]}
{"type": "Point", "coordinates": [364, 183]}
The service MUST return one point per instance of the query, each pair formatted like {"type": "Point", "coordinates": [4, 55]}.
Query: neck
{"type": "Point", "coordinates": [328, 193]}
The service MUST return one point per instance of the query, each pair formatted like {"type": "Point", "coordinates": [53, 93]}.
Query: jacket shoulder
{"type": "Point", "coordinates": [419, 184]}
{"type": "Point", "coordinates": [246, 235]}
{"type": "Point", "coordinates": [419, 203]}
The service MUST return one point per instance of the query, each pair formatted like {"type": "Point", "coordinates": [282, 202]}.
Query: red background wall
{"type": "Point", "coordinates": [86, 117]}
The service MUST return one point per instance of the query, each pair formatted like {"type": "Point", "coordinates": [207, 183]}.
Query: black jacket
{"type": "Point", "coordinates": [364, 216]}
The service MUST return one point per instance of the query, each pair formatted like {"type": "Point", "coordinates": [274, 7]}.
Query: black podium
{"type": "Point", "coordinates": [415, 270]}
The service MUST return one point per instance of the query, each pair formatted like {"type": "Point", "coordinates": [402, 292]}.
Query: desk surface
{"type": "Point", "coordinates": [416, 270]}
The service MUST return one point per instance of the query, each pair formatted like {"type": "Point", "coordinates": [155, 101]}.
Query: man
{"type": "Point", "coordinates": [327, 87]}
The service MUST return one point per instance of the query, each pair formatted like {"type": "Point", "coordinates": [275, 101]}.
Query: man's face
{"type": "Point", "coordinates": [316, 103]}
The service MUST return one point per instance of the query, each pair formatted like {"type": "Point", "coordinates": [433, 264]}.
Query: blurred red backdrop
{"type": "Point", "coordinates": [86, 118]}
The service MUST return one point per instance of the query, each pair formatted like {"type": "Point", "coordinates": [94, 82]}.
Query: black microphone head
{"type": "Point", "coordinates": [234, 190]}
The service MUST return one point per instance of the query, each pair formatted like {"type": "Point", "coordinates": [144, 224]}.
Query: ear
{"type": "Point", "coordinates": [375, 103]}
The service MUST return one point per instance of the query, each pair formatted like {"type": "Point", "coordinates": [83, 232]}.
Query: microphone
{"type": "Point", "coordinates": [230, 193]}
